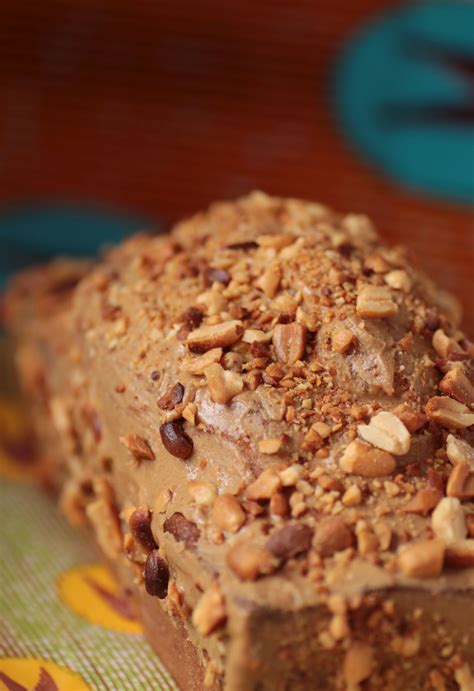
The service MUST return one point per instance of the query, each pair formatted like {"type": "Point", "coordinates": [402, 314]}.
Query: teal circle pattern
{"type": "Point", "coordinates": [403, 89]}
{"type": "Point", "coordinates": [33, 233]}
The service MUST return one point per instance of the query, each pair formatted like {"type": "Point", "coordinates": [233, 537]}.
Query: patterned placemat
{"type": "Point", "coordinates": [64, 625]}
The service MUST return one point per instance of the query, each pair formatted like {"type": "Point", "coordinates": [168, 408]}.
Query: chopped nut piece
{"type": "Point", "coordinates": [270, 280]}
{"type": "Point", "coordinates": [460, 554]}
{"type": "Point", "coordinates": [384, 534]}
{"type": "Point", "coordinates": [172, 397]}
{"type": "Point", "coordinates": [214, 336]}
{"type": "Point", "coordinates": [367, 540]}
{"type": "Point", "coordinates": [376, 263]}
{"type": "Point", "coordinates": [358, 664]}
{"type": "Point", "coordinates": [270, 445]}
{"type": "Point", "coordinates": [102, 513]}
{"type": "Point", "coordinates": [199, 364]}
{"type": "Point", "coordinates": [387, 432]}
{"type": "Point", "coordinates": [210, 612]}
{"type": "Point", "coordinates": [444, 345]}
{"type": "Point", "coordinates": [290, 476]}
{"type": "Point", "coordinates": [140, 527]}
{"type": "Point", "coordinates": [448, 521]}
{"type": "Point", "coordinates": [289, 341]}
{"type": "Point", "coordinates": [361, 459]}
{"type": "Point", "coordinates": [424, 501]}
{"type": "Point", "coordinates": [223, 385]}
{"type": "Point", "coordinates": [267, 483]}
{"type": "Point", "coordinates": [461, 482]}
{"type": "Point", "coordinates": [279, 505]}
{"type": "Point", "coordinates": [162, 500]}
{"type": "Point", "coordinates": [399, 280]}
{"type": "Point", "coordinates": [457, 385]}
{"type": "Point", "coordinates": [138, 447]}
{"type": "Point", "coordinates": [256, 336]}
{"type": "Point", "coordinates": [156, 575]}
{"type": "Point", "coordinates": [329, 484]}
{"type": "Point", "coordinates": [342, 339]}
{"type": "Point", "coordinates": [182, 530]}
{"type": "Point", "coordinates": [352, 496]}
{"type": "Point", "coordinates": [276, 242]}
{"type": "Point", "coordinates": [189, 413]}
{"type": "Point", "coordinates": [202, 492]}
{"type": "Point", "coordinates": [375, 302]}
{"type": "Point", "coordinates": [411, 418]}
{"type": "Point", "coordinates": [359, 227]}
{"type": "Point", "coordinates": [312, 440]}
{"type": "Point", "coordinates": [175, 440]}
{"type": "Point", "coordinates": [332, 535]}
{"type": "Point", "coordinates": [227, 513]}
{"type": "Point", "coordinates": [423, 559]}
{"type": "Point", "coordinates": [249, 561]}
{"type": "Point", "coordinates": [322, 429]}
{"type": "Point", "coordinates": [289, 541]}
{"type": "Point", "coordinates": [464, 678]}
{"type": "Point", "coordinates": [449, 413]}
{"type": "Point", "coordinates": [459, 451]}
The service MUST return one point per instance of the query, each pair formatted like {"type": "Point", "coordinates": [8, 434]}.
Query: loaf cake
{"type": "Point", "coordinates": [266, 419]}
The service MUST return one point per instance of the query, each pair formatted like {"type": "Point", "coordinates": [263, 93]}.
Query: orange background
{"type": "Point", "coordinates": [160, 107]}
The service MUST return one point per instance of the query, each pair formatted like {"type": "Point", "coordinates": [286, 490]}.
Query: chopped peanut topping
{"type": "Point", "coordinates": [448, 521]}
{"type": "Point", "coordinates": [424, 501]}
{"type": "Point", "coordinates": [267, 483]}
{"type": "Point", "coordinates": [459, 451]}
{"type": "Point", "coordinates": [376, 263]}
{"type": "Point", "coordinates": [449, 413]}
{"type": "Point", "coordinates": [359, 661]}
{"type": "Point", "coordinates": [269, 446]}
{"type": "Point", "coordinates": [411, 418]}
{"type": "Point", "coordinates": [457, 385]}
{"type": "Point", "coordinates": [210, 612]}
{"type": "Point", "coordinates": [461, 482]}
{"type": "Point", "coordinates": [223, 385]}
{"type": "Point", "coordinates": [291, 475]}
{"type": "Point", "coordinates": [202, 492]}
{"type": "Point", "coordinates": [214, 336]}
{"type": "Point", "coordinates": [387, 432]}
{"type": "Point", "coordinates": [422, 559]}
{"type": "Point", "coordinates": [138, 447]}
{"type": "Point", "coordinates": [361, 459]}
{"type": "Point", "coordinates": [352, 496]}
{"type": "Point", "coordinates": [399, 280]}
{"type": "Point", "coordinates": [444, 345]}
{"type": "Point", "coordinates": [198, 364]}
{"type": "Point", "coordinates": [289, 341]}
{"type": "Point", "coordinates": [256, 336]}
{"type": "Point", "coordinates": [342, 339]}
{"type": "Point", "coordinates": [227, 513]}
{"type": "Point", "coordinates": [249, 561]}
{"type": "Point", "coordinates": [270, 280]}
{"type": "Point", "coordinates": [375, 302]}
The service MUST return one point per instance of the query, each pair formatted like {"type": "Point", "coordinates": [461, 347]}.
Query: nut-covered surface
{"type": "Point", "coordinates": [304, 400]}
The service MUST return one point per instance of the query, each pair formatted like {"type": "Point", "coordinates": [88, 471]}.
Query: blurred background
{"type": "Point", "coordinates": [117, 116]}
